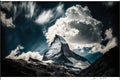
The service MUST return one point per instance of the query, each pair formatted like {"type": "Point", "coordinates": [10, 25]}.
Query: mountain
{"type": "Point", "coordinates": [106, 66]}
{"type": "Point", "coordinates": [60, 53]}
{"type": "Point", "coordinates": [85, 52]}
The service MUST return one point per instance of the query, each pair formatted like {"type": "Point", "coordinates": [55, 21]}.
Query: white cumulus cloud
{"type": "Point", "coordinates": [77, 27]}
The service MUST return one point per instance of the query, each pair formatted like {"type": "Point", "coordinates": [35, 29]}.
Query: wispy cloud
{"type": "Point", "coordinates": [29, 8]}
{"type": "Point", "coordinates": [59, 9]}
{"type": "Point", "coordinates": [48, 16]}
{"type": "Point", "coordinates": [45, 17]}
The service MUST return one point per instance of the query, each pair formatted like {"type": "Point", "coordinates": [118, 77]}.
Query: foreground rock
{"type": "Point", "coordinates": [106, 66]}
{"type": "Point", "coordinates": [34, 68]}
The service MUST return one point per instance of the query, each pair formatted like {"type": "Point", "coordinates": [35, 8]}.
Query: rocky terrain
{"type": "Point", "coordinates": [34, 68]}
{"type": "Point", "coordinates": [107, 65]}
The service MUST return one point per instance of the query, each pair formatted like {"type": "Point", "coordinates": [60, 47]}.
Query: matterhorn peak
{"type": "Point", "coordinates": [60, 53]}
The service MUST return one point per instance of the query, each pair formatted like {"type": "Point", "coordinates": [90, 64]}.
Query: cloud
{"type": "Point", "coordinates": [80, 30]}
{"type": "Point", "coordinates": [59, 9]}
{"type": "Point", "coordinates": [48, 16]}
{"type": "Point", "coordinates": [23, 55]}
{"type": "Point", "coordinates": [7, 22]}
{"type": "Point", "coordinates": [13, 53]}
{"type": "Point", "coordinates": [112, 42]}
{"type": "Point", "coordinates": [11, 9]}
{"type": "Point", "coordinates": [108, 33]}
{"type": "Point", "coordinates": [27, 55]}
{"type": "Point", "coordinates": [29, 8]}
{"type": "Point", "coordinates": [6, 5]}
{"type": "Point", "coordinates": [45, 17]}
{"type": "Point", "coordinates": [108, 4]}
{"type": "Point", "coordinates": [77, 27]}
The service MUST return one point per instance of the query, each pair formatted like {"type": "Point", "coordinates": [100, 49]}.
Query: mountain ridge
{"type": "Point", "coordinates": [60, 52]}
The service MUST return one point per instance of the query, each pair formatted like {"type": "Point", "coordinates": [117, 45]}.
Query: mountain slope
{"type": "Point", "coordinates": [108, 65]}
{"type": "Point", "coordinates": [85, 52]}
{"type": "Point", "coordinates": [20, 68]}
{"type": "Point", "coordinates": [60, 53]}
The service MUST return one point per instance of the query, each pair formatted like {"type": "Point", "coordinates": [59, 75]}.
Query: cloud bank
{"type": "Point", "coordinates": [23, 55]}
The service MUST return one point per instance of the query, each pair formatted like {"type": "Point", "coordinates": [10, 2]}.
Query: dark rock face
{"type": "Point", "coordinates": [106, 66]}
{"type": "Point", "coordinates": [22, 68]}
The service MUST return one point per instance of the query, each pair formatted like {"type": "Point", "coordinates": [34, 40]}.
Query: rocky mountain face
{"type": "Point", "coordinates": [60, 53]}
{"type": "Point", "coordinates": [106, 66]}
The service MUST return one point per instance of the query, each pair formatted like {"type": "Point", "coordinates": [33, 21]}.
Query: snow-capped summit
{"type": "Point", "coordinates": [60, 53]}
